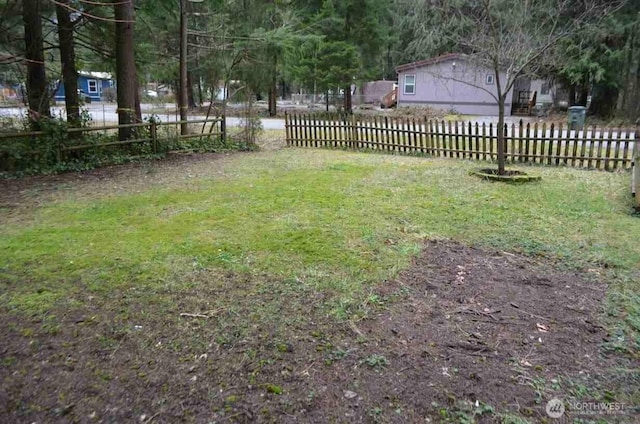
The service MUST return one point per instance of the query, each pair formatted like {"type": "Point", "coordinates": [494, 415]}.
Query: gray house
{"type": "Point", "coordinates": [450, 82]}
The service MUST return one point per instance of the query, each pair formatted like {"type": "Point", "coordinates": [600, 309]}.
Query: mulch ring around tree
{"type": "Point", "coordinates": [464, 333]}
{"type": "Point", "coordinates": [510, 176]}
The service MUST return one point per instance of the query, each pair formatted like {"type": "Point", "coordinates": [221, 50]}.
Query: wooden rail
{"type": "Point", "coordinates": [75, 134]}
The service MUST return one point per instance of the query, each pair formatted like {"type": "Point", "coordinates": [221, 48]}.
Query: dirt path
{"type": "Point", "coordinates": [464, 333]}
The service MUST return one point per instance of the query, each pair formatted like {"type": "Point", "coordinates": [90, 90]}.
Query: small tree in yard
{"type": "Point", "coordinates": [513, 38]}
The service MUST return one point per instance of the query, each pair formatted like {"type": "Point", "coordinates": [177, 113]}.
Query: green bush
{"type": "Point", "coordinates": [45, 154]}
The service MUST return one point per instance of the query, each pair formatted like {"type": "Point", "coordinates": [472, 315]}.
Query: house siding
{"type": "Point", "coordinates": [83, 84]}
{"type": "Point", "coordinates": [542, 99]}
{"type": "Point", "coordinates": [445, 87]}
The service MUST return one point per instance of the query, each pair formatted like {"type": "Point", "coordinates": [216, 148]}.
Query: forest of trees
{"type": "Point", "coordinates": [276, 47]}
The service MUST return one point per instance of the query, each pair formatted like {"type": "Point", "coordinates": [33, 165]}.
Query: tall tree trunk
{"type": "Point", "coordinates": [184, 83]}
{"type": "Point", "coordinates": [633, 110]}
{"type": "Point", "coordinates": [634, 103]}
{"type": "Point", "coordinates": [125, 67]}
{"type": "Point", "coordinates": [68, 62]}
{"type": "Point", "coordinates": [37, 92]}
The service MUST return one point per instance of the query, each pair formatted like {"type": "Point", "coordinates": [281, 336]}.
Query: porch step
{"type": "Point", "coordinates": [521, 111]}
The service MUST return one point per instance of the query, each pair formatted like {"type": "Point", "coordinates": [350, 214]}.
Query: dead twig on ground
{"type": "Point", "coordinates": [355, 329]}
{"type": "Point", "coordinates": [186, 315]}
{"type": "Point", "coordinates": [207, 314]}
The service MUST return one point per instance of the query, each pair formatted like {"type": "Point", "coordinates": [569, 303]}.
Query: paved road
{"type": "Point", "coordinates": [104, 113]}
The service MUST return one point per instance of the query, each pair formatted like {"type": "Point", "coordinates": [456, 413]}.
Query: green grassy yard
{"type": "Point", "coordinates": [334, 221]}
{"type": "Point", "coordinates": [269, 254]}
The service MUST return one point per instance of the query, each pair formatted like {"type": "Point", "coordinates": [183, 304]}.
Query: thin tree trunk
{"type": "Point", "coordinates": [348, 105]}
{"type": "Point", "coordinates": [273, 92]}
{"type": "Point", "coordinates": [125, 67]}
{"type": "Point", "coordinates": [190, 92]}
{"type": "Point", "coordinates": [626, 80]}
{"type": "Point", "coordinates": [501, 141]}
{"type": "Point", "coordinates": [37, 93]}
{"type": "Point", "coordinates": [68, 62]}
{"type": "Point", "coordinates": [138, 107]}
{"type": "Point", "coordinates": [200, 93]}
{"type": "Point", "coordinates": [583, 93]}
{"type": "Point", "coordinates": [572, 95]}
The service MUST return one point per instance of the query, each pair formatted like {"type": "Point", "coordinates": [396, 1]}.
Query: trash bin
{"type": "Point", "coordinates": [577, 117]}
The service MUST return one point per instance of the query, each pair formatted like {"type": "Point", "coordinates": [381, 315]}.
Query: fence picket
{"type": "Point", "coordinates": [591, 147]}
{"type": "Point", "coordinates": [491, 141]}
{"type": "Point", "coordinates": [625, 150]}
{"type": "Point", "coordinates": [401, 135]}
{"type": "Point", "coordinates": [536, 136]}
{"type": "Point", "coordinates": [567, 145]}
{"type": "Point", "coordinates": [372, 132]}
{"type": "Point", "coordinates": [464, 140]}
{"type": "Point", "coordinates": [574, 146]}
{"type": "Point", "coordinates": [512, 138]}
{"type": "Point", "coordinates": [405, 134]}
{"type": "Point", "coordinates": [583, 147]}
{"type": "Point", "coordinates": [287, 128]}
{"type": "Point", "coordinates": [417, 148]}
{"type": "Point", "coordinates": [520, 141]}
{"type": "Point", "coordinates": [527, 142]}
{"type": "Point", "coordinates": [556, 156]}
{"type": "Point", "coordinates": [484, 141]}
{"type": "Point", "coordinates": [607, 155]}
{"type": "Point", "coordinates": [603, 136]}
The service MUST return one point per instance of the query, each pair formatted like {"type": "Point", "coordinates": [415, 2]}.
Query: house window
{"type": "Point", "coordinates": [92, 86]}
{"type": "Point", "coordinates": [490, 79]}
{"type": "Point", "coordinates": [544, 90]}
{"type": "Point", "coordinates": [409, 84]}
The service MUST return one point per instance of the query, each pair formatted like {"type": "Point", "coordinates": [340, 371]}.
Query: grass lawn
{"type": "Point", "coordinates": [267, 234]}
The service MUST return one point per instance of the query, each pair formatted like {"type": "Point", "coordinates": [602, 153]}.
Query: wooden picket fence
{"type": "Point", "coordinates": [553, 144]}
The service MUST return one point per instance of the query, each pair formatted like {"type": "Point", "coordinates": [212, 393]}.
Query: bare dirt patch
{"type": "Point", "coordinates": [21, 197]}
{"type": "Point", "coordinates": [461, 325]}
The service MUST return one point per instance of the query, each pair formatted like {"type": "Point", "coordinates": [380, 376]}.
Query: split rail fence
{"type": "Point", "coordinates": [595, 148]}
{"type": "Point", "coordinates": [153, 133]}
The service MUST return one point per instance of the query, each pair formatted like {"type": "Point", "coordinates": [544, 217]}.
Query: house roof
{"type": "Point", "coordinates": [428, 62]}
{"type": "Point", "coordinates": [96, 75]}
